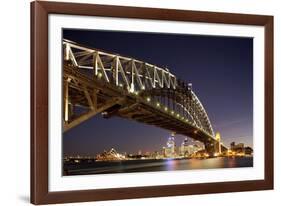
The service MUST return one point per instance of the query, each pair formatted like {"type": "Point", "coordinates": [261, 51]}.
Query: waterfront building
{"type": "Point", "coordinates": [183, 150]}
{"type": "Point", "coordinates": [155, 155]}
{"type": "Point", "coordinates": [232, 144]}
{"type": "Point", "coordinates": [248, 151]}
{"type": "Point", "coordinates": [170, 150]}
{"type": "Point", "coordinates": [110, 155]}
{"type": "Point", "coordinates": [191, 149]}
{"type": "Point", "coordinates": [163, 152]}
{"type": "Point", "coordinates": [238, 148]}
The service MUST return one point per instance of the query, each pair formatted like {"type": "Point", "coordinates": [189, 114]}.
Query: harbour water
{"type": "Point", "coordinates": [149, 165]}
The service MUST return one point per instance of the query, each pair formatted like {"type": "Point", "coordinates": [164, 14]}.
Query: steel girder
{"type": "Point", "coordinates": [93, 71]}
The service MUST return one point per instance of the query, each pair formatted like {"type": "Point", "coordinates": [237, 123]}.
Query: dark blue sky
{"type": "Point", "coordinates": [219, 68]}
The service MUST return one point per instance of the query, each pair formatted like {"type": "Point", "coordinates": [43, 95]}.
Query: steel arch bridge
{"type": "Point", "coordinates": [96, 82]}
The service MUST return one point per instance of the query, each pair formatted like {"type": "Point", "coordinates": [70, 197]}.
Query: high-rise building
{"type": "Point", "coordinates": [191, 149]}
{"type": "Point", "coordinates": [163, 152]}
{"type": "Point", "coordinates": [232, 145]}
{"type": "Point", "coordinates": [170, 150]}
{"type": "Point", "coordinates": [184, 148]}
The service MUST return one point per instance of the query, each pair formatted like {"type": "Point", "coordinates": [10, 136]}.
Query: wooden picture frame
{"type": "Point", "coordinates": [40, 193]}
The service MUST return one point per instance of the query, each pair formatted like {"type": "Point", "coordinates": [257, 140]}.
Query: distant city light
{"type": "Point", "coordinates": [169, 152]}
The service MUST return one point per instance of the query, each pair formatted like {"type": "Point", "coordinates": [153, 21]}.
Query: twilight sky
{"type": "Point", "coordinates": [219, 68]}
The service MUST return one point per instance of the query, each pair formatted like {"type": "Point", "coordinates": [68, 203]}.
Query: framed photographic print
{"type": "Point", "coordinates": [131, 102]}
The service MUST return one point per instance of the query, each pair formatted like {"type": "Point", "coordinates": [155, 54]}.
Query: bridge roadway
{"type": "Point", "coordinates": [111, 100]}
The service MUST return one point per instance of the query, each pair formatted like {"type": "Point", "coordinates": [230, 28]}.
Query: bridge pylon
{"type": "Point", "coordinates": [218, 143]}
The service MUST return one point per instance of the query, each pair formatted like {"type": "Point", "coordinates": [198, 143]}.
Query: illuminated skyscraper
{"type": "Point", "coordinates": [170, 149]}
{"type": "Point", "coordinates": [184, 147]}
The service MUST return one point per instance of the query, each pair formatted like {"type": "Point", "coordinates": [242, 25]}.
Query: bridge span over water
{"type": "Point", "coordinates": [98, 82]}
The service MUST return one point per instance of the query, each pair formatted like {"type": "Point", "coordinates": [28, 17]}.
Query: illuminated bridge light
{"type": "Point", "coordinates": [191, 110]}
{"type": "Point", "coordinates": [99, 75]}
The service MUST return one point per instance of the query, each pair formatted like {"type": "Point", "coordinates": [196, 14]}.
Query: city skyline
{"type": "Point", "coordinates": [225, 89]}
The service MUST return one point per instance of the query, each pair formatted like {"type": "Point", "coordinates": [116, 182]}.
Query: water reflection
{"type": "Point", "coordinates": [171, 164]}
{"type": "Point", "coordinates": [157, 165]}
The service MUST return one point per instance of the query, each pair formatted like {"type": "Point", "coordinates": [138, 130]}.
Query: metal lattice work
{"type": "Point", "coordinates": [132, 74]}
{"type": "Point", "coordinates": [100, 82]}
{"type": "Point", "coordinates": [183, 102]}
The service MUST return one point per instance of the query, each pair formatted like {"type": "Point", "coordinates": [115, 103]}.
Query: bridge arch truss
{"type": "Point", "coordinates": [129, 83]}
